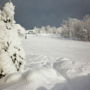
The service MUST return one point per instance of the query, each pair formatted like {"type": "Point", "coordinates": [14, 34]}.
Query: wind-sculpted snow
{"type": "Point", "coordinates": [46, 67]}
{"type": "Point", "coordinates": [50, 72]}
{"type": "Point", "coordinates": [64, 75]}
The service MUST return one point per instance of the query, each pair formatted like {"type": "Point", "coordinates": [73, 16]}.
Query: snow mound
{"type": "Point", "coordinates": [71, 69]}
{"type": "Point", "coordinates": [46, 77]}
{"type": "Point", "coordinates": [39, 61]}
{"type": "Point", "coordinates": [59, 74]}
{"type": "Point", "coordinates": [12, 77]}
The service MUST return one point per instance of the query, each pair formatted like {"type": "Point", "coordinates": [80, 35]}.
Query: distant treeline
{"type": "Point", "coordinates": [72, 28]}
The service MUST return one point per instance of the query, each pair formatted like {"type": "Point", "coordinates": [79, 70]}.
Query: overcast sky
{"type": "Point", "coordinates": [30, 13]}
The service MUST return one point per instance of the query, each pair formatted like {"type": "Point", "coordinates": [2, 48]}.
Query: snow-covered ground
{"type": "Point", "coordinates": [52, 64]}
{"type": "Point", "coordinates": [58, 48]}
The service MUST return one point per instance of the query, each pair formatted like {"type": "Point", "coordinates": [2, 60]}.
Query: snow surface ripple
{"type": "Point", "coordinates": [45, 72]}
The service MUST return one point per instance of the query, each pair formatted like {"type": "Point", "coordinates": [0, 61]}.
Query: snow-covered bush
{"type": "Point", "coordinates": [12, 56]}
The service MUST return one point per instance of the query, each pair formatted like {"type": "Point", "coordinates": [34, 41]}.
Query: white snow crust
{"type": "Point", "coordinates": [47, 69]}
{"type": "Point", "coordinates": [52, 63]}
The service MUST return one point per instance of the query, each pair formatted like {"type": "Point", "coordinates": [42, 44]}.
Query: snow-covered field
{"type": "Point", "coordinates": [52, 64]}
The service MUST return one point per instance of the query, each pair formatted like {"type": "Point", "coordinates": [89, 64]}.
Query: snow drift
{"type": "Point", "coordinates": [46, 67]}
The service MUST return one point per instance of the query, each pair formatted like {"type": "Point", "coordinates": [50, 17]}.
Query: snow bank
{"type": "Point", "coordinates": [64, 75]}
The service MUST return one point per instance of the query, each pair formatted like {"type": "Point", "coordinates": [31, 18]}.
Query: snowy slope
{"type": "Point", "coordinates": [52, 64]}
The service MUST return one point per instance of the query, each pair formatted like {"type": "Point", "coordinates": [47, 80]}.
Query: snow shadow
{"type": "Point", "coordinates": [42, 88]}
{"type": "Point", "coordinates": [78, 83]}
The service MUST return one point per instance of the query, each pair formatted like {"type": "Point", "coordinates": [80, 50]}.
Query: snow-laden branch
{"type": "Point", "coordinates": [12, 56]}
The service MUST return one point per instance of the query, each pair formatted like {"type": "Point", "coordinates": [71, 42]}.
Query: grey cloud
{"type": "Point", "coordinates": [32, 13]}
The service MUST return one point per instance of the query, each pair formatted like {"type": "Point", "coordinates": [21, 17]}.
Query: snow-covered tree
{"type": "Point", "coordinates": [86, 24]}
{"type": "Point", "coordinates": [74, 29]}
{"type": "Point", "coordinates": [12, 56]}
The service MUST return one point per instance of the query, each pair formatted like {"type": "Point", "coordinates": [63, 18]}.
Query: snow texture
{"type": "Point", "coordinates": [47, 69]}
{"type": "Point", "coordinates": [51, 63]}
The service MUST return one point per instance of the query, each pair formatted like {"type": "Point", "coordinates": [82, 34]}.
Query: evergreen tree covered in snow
{"type": "Point", "coordinates": [12, 57]}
